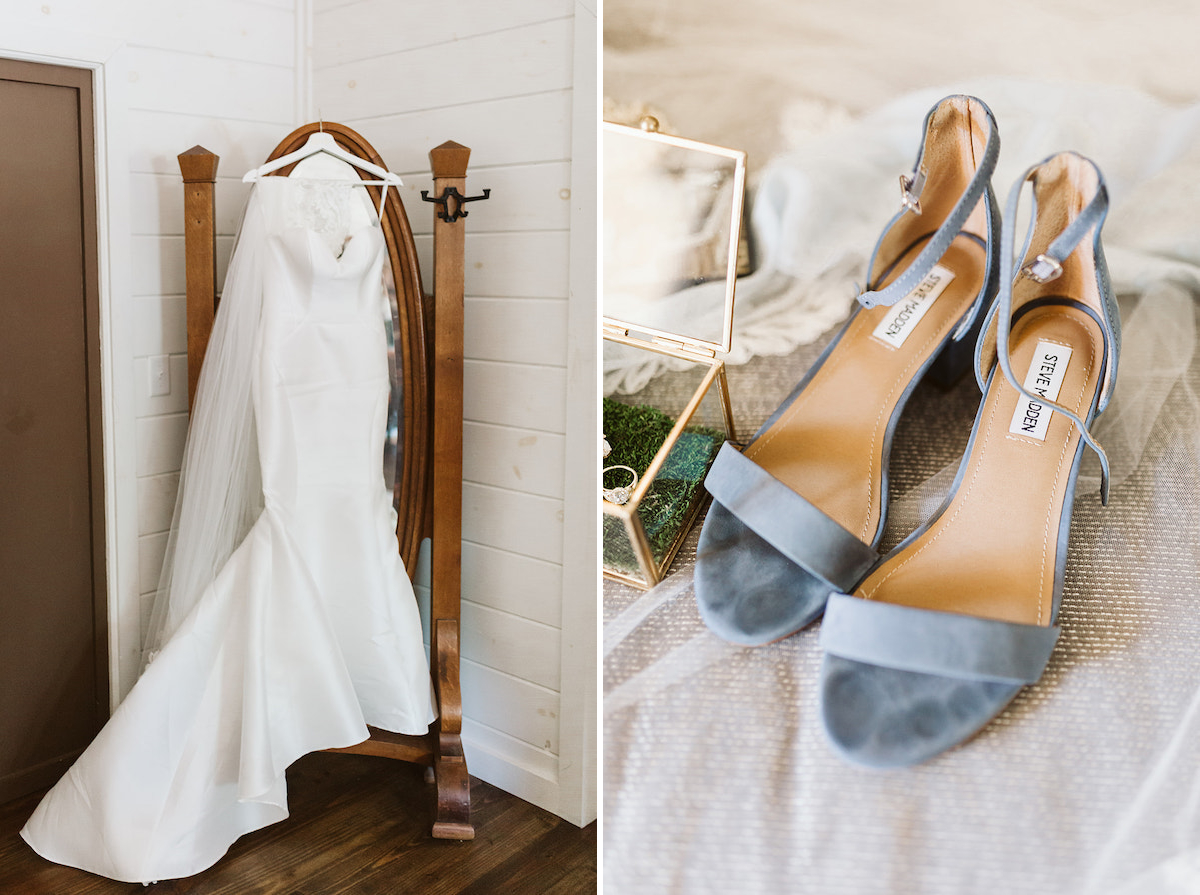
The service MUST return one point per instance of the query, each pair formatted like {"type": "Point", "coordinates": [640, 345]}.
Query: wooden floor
{"type": "Point", "coordinates": [358, 825]}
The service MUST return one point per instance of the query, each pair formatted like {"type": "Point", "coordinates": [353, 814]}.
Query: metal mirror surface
{"type": "Point", "coordinates": [672, 214]}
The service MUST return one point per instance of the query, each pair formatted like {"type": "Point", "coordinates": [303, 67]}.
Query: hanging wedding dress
{"type": "Point", "coordinates": [286, 622]}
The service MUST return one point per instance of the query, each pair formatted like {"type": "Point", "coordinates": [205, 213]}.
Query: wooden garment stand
{"type": "Point", "coordinates": [429, 456]}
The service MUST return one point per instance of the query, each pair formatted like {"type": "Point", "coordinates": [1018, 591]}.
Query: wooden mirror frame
{"type": "Point", "coordinates": [429, 353]}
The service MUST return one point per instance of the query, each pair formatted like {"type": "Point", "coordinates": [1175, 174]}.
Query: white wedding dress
{"type": "Point", "coordinates": [309, 630]}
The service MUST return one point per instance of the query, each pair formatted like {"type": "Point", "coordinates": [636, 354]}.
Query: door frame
{"type": "Point", "coordinates": [581, 604]}
{"type": "Point", "coordinates": [105, 59]}
{"type": "Point", "coordinates": [82, 81]}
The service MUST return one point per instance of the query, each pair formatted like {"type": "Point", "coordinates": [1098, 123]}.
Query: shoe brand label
{"type": "Point", "coordinates": [1045, 378]}
{"type": "Point", "coordinates": [902, 317]}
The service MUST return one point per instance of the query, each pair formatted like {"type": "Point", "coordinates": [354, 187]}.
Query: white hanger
{"type": "Point", "coordinates": [323, 142]}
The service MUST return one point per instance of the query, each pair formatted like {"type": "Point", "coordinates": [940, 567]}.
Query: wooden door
{"type": "Point", "coordinates": [53, 608]}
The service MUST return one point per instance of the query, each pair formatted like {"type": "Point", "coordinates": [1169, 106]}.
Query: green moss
{"type": "Point", "coordinates": [635, 432]}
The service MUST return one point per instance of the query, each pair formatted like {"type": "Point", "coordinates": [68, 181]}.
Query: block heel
{"type": "Point", "coordinates": [956, 358]}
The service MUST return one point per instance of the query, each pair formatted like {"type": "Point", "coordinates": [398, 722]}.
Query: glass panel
{"type": "Point", "coordinates": [672, 212]}
{"type": "Point", "coordinates": [637, 428]}
{"type": "Point", "coordinates": [620, 556]}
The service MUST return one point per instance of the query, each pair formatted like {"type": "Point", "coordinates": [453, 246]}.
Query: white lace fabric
{"type": "Point", "coordinates": [322, 207]}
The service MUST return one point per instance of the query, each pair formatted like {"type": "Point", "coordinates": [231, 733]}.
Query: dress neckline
{"type": "Point", "coordinates": [351, 239]}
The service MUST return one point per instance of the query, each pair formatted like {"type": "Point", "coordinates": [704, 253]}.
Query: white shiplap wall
{"type": "Point", "coordinates": [506, 79]}
{"type": "Point", "coordinates": [501, 78]}
{"type": "Point", "coordinates": [168, 75]}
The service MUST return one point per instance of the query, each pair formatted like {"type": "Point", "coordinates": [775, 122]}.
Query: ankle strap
{"type": "Point", "coordinates": [1044, 268]}
{"type": "Point", "coordinates": [1048, 265]}
{"type": "Point", "coordinates": [912, 186]}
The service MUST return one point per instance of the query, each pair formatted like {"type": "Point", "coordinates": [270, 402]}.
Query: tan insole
{"type": "Point", "coordinates": [828, 445]}
{"type": "Point", "coordinates": [993, 551]}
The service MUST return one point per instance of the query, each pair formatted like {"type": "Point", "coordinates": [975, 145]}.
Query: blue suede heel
{"type": "Point", "coordinates": [798, 515]}
{"type": "Point", "coordinates": [941, 636]}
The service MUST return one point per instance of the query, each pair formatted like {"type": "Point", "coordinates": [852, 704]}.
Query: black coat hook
{"type": "Point", "coordinates": [452, 202]}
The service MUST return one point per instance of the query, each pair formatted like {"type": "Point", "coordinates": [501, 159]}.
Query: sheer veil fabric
{"type": "Point", "coordinates": [220, 481]}
{"type": "Point", "coordinates": [816, 209]}
{"type": "Point", "coordinates": [285, 622]}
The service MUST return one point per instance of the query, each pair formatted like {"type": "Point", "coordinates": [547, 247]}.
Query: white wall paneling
{"type": "Point", "coordinates": [510, 130]}
{"type": "Point", "coordinates": [532, 772]}
{"type": "Point", "coordinates": [506, 642]}
{"type": "Point", "coordinates": [167, 76]}
{"type": "Point", "coordinates": [160, 443]}
{"type": "Point", "coordinates": [530, 396]}
{"type": "Point", "coordinates": [512, 582]}
{"type": "Point", "coordinates": [506, 457]}
{"type": "Point", "coordinates": [518, 265]}
{"type": "Point", "coordinates": [160, 325]}
{"type": "Point", "coordinates": [150, 559]}
{"type": "Point", "coordinates": [175, 401]}
{"type": "Point", "coordinates": [498, 329]}
{"type": "Point", "coordinates": [156, 502]}
{"type": "Point", "coordinates": [581, 533]}
{"type": "Point", "coordinates": [168, 81]}
{"type": "Point", "coordinates": [155, 138]}
{"type": "Point", "coordinates": [506, 63]}
{"type": "Point", "coordinates": [159, 264]}
{"type": "Point", "coordinates": [501, 698]}
{"type": "Point", "coordinates": [157, 203]}
{"type": "Point", "coordinates": [513, 520]}
{"type": "Point", "coordinates": [320, 6]}
{"type": "Point", "coordinates": [191, 29]}
{"type": "Point", "coordinates": [344, 39]}
{"type": "Point", "coordinates": [544, 188]}
{"type": "Point", "coordinates": [505, 79]}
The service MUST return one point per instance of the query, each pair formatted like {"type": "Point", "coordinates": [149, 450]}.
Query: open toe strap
{"type": "Point", "coordinates": [931, 642]}
{"type": "Point", "coordinates": [788, 522]}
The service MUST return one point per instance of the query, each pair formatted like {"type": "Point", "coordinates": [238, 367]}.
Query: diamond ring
{"type": "Point", "coordinates": [621, 493]}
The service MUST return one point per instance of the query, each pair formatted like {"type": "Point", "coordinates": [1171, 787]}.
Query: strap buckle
{"type": "Point", "coordinates": [908, 199]}
{"type": "Point", "coordinates": [1043, 269]}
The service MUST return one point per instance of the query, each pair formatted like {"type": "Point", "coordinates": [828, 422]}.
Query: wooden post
{"type": "Point", "coordinates": [199, 168]}
{"type": "Point", "coordinates": [452, 821]}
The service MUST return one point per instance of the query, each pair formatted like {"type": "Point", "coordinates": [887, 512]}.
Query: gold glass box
{"type": "Point", "coordinates": [672, 218]}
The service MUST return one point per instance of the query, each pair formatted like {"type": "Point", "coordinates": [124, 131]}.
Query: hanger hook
{"type": "Point", "coordinates": [320, 122]}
